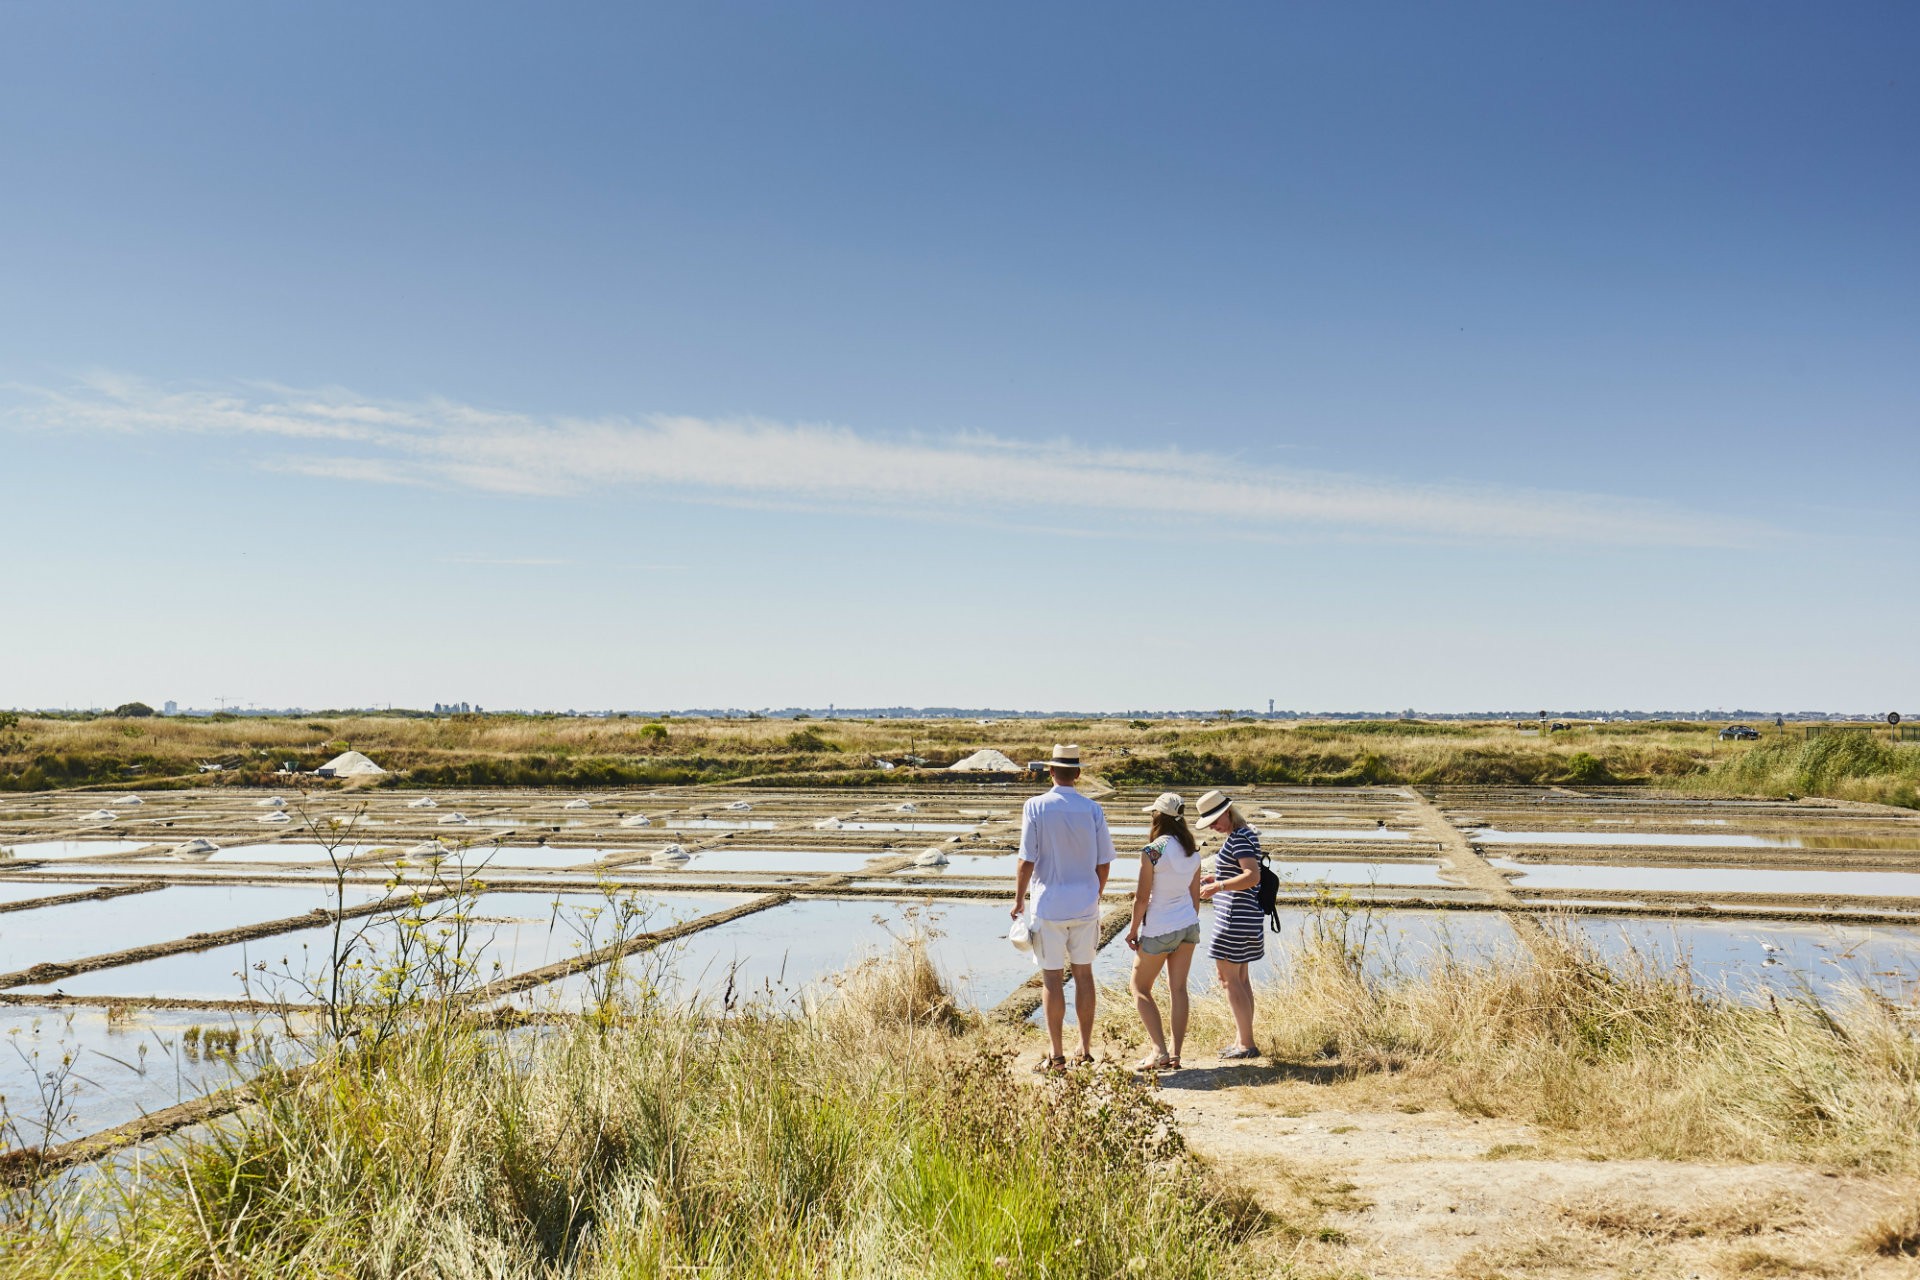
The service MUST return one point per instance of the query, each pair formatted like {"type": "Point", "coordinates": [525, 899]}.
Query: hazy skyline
{"type": "Point", "coordinates": [1494, 356]}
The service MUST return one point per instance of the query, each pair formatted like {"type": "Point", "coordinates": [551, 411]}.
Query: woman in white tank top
{"type": "Point", "coordinates": [1166, 926]}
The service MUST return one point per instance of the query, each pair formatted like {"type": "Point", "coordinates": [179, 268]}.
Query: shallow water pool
{"type": "Point", "coordinates": [509, 932]}
{"type": "Point", "coordinates": [1748, 958]}
{"type": "Point", "coordinates": [73, 848]}
{"type": "Point", "coordinates": [90, 928]}
{"type": "Point", "coordinates": [1533, 875]}
{"type": "Point", "coordinates": [779, 955]}
{"type": "Point", "coordinates": [119, 1070]}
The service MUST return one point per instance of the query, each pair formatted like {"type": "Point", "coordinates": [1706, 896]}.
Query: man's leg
{"type": "Point", "coordinates": [1082, 1008]}
{"type": "Point", "coordinates": [1054, 1001]}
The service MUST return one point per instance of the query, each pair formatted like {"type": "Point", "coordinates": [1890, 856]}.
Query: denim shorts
{"type": "Point", "coordinates": [1162, 944]}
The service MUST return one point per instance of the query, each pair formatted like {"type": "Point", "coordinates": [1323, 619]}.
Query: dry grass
{"type": "Point", "coordinates": [1734, 1219]}
{"type": "Point", "coordinates": [1897, 1236]}
{"type": "Point", "coordinates": [509, 750]}
{"type": "Point", "coordinates": [1624, 1059]}
{"type": "Point", "coordinates": [864, 1139]}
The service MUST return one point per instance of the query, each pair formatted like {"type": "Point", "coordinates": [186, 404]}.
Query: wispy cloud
{"type": "Point", "coordinates": [512, 562]}
{"type": "Point", "coordinates": [445, 443]}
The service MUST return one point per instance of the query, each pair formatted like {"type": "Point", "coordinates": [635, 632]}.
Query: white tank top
{"type": "Point", "coordinates": [1170, 907]}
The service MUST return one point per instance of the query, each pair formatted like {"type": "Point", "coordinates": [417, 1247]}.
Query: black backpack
{"type": "Point", "coordinates": [1269, 893]}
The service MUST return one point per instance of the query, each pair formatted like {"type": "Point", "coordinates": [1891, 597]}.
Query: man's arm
{"type": "Point", "coordinates": [1020, 880]}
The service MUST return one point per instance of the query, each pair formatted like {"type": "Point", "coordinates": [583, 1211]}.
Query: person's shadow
{"type": "Point", "coordinates": [1233, 1075]}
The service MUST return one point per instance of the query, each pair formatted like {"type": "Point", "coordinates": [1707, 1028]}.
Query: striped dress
{"type": "Point", "coordinates": [1239, 930]}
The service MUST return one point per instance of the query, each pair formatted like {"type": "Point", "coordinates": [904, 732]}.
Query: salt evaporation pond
{"type": "Point", "coordinates": [1533, 875]}
{"type": "Point", "coordinates": [768, 860]}
{"type": "Point", "coordinates": [81, 929]}
{"type": "Point", "coordinates": [510, 933]}
{"type": "Point", "coordinates": [716, 824]}
{"type": "Point", "coordinates": [73, 849]}
{"type": "Point", "coordinates": [1685, 840]}
{"type": "Point", "coordinates": [776, 955]}
{"type": "Point", "coordinates": [1828, 959]}
{"type": "Point", "coordinates": [121, 1069]}
{"type": "Point", "coordinates": [22, 890]}
{"type": "Point", "coordinates": [905, 826]}
{"type": "Point", "coordinates": [1395, 942]}
{"type": "Point", "coordinates": [1272, 835]}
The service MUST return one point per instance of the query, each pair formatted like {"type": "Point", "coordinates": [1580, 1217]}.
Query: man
{"type": "Point", "coordinates": [1065, 853]}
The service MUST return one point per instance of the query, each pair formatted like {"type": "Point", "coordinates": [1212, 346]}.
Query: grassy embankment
{"type": "Point", "coordinates": [874, 1137]}
{"type": "Point", "coordinates": [1622, 1058]}
{"type": "Point", "coordinates": [507, 750]}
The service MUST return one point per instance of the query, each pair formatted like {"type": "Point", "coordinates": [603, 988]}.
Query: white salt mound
{"type": "Point", "coordinates": [933, 856]}
{"type": "Point", "coordinates": [637, 820]}
{"type": "Point", "coordinates": [124, 801]}
{"type": "Point", "coordinates": [454, 819]}
{"type": "Point", "coordinates": [578, 804]}
{"type": "Point", "coordinates": [739, 806]}
{"type": "Point", "coordinates": [424, 802]}
{"type": "Point", "coordinates": [274, 818]}
{"type": "Point", "coordinates": [194, 850]}
{"type": "Point", "coordinates": [349, 764]}
{"type": "Point", "coordinates": [271, 802]}
{"type": "Point", "coordinates": [985, 761]}
{"type": "Point", "coordinates": [672, 853]}
{"type": "Point", "coordinates": [101, 815]}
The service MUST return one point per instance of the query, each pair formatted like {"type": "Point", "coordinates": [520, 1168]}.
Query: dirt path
{"type": "Point", "coordinates": [1390, 1188]}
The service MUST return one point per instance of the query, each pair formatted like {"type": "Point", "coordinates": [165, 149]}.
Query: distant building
{"type": "Point", "coordinates": [169, 708]}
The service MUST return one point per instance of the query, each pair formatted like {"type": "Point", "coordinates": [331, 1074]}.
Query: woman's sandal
{"type": "Point", "coordinates": [1051, 1066]}
{"type": "Point", "coordinates": [1081, 1060]}
{"type": "Point", "coordinates": [1157, 1062]}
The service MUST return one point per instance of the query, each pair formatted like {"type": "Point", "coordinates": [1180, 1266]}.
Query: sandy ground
{"type": "Point", "coordinates": [1386, 1186]}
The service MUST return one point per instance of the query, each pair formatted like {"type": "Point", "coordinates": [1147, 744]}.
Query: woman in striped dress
{"type": "Point", "coordinates": [1239, 928]}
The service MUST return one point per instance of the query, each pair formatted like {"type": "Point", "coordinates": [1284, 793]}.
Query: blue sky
{"type": "Point", "coordinates": [1067, 356]}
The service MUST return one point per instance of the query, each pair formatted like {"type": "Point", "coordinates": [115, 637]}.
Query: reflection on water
{"type": "Point", "coordinates": [1673, 839]}
{"type": "Point", "coordinates": [1711, 879]}
{"type": "Point", "coordinates": [122, 1069]}
{"type": "Point", "coordinates": [780, 954]}
{"type": "Point", "coordinates": [141, 919]}
{"type": "Point", "coordinates": [716, 824]}
{"type": "Point", "coordinates": [72, 848]}
{"type": "Point", "coordinates": [1747, 959]}
{"type": "Point", "coordinates": [905, 826]}
{"type": "Point", "coordinates": [510, 933]}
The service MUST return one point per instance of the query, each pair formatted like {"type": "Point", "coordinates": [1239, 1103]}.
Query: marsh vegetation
{"type": "Point", "coordinates": [514, 750]}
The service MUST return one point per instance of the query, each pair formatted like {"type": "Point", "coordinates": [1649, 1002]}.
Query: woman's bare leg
{"type": "Point", "coordinates": [1239, 998]}
{"type": "Point", "coordinates": [1178, 966]}
{"type": "Point", "coordinates": [1146, 971]}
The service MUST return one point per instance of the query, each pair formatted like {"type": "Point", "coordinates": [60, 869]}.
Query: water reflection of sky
{"type": "Point", "coordinates": [1711, 879]}
{"type": "Point", "coordinates": [1734, 954]}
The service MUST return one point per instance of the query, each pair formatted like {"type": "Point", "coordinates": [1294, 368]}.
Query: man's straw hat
{"type": "Point", "coordinates": [1066, 755]}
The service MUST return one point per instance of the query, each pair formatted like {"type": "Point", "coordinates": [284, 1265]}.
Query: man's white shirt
{"type": "Point", "coordinates": [1064, 835]}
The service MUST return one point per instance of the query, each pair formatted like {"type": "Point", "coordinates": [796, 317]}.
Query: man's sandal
{"type": "Point", "coordinates": [1056, 1066]}
{"type": "Point", "coordinates": [1081, 1060]}
{"type": "Point", "coordinates": [1157, 1062]}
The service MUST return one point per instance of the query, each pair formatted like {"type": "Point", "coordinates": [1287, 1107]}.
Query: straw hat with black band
{"type": "Point", "coordinates": [1066, 755]}
{"type": "Point", "coordinates": [1211, 806]}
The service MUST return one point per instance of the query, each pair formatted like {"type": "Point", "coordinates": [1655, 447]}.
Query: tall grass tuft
{"type": "Point", "coordinates": [1848, 765]}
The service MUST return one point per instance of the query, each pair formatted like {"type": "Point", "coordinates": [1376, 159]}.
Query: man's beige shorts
{"type": "Point", "coordinates": [1059, 943]}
